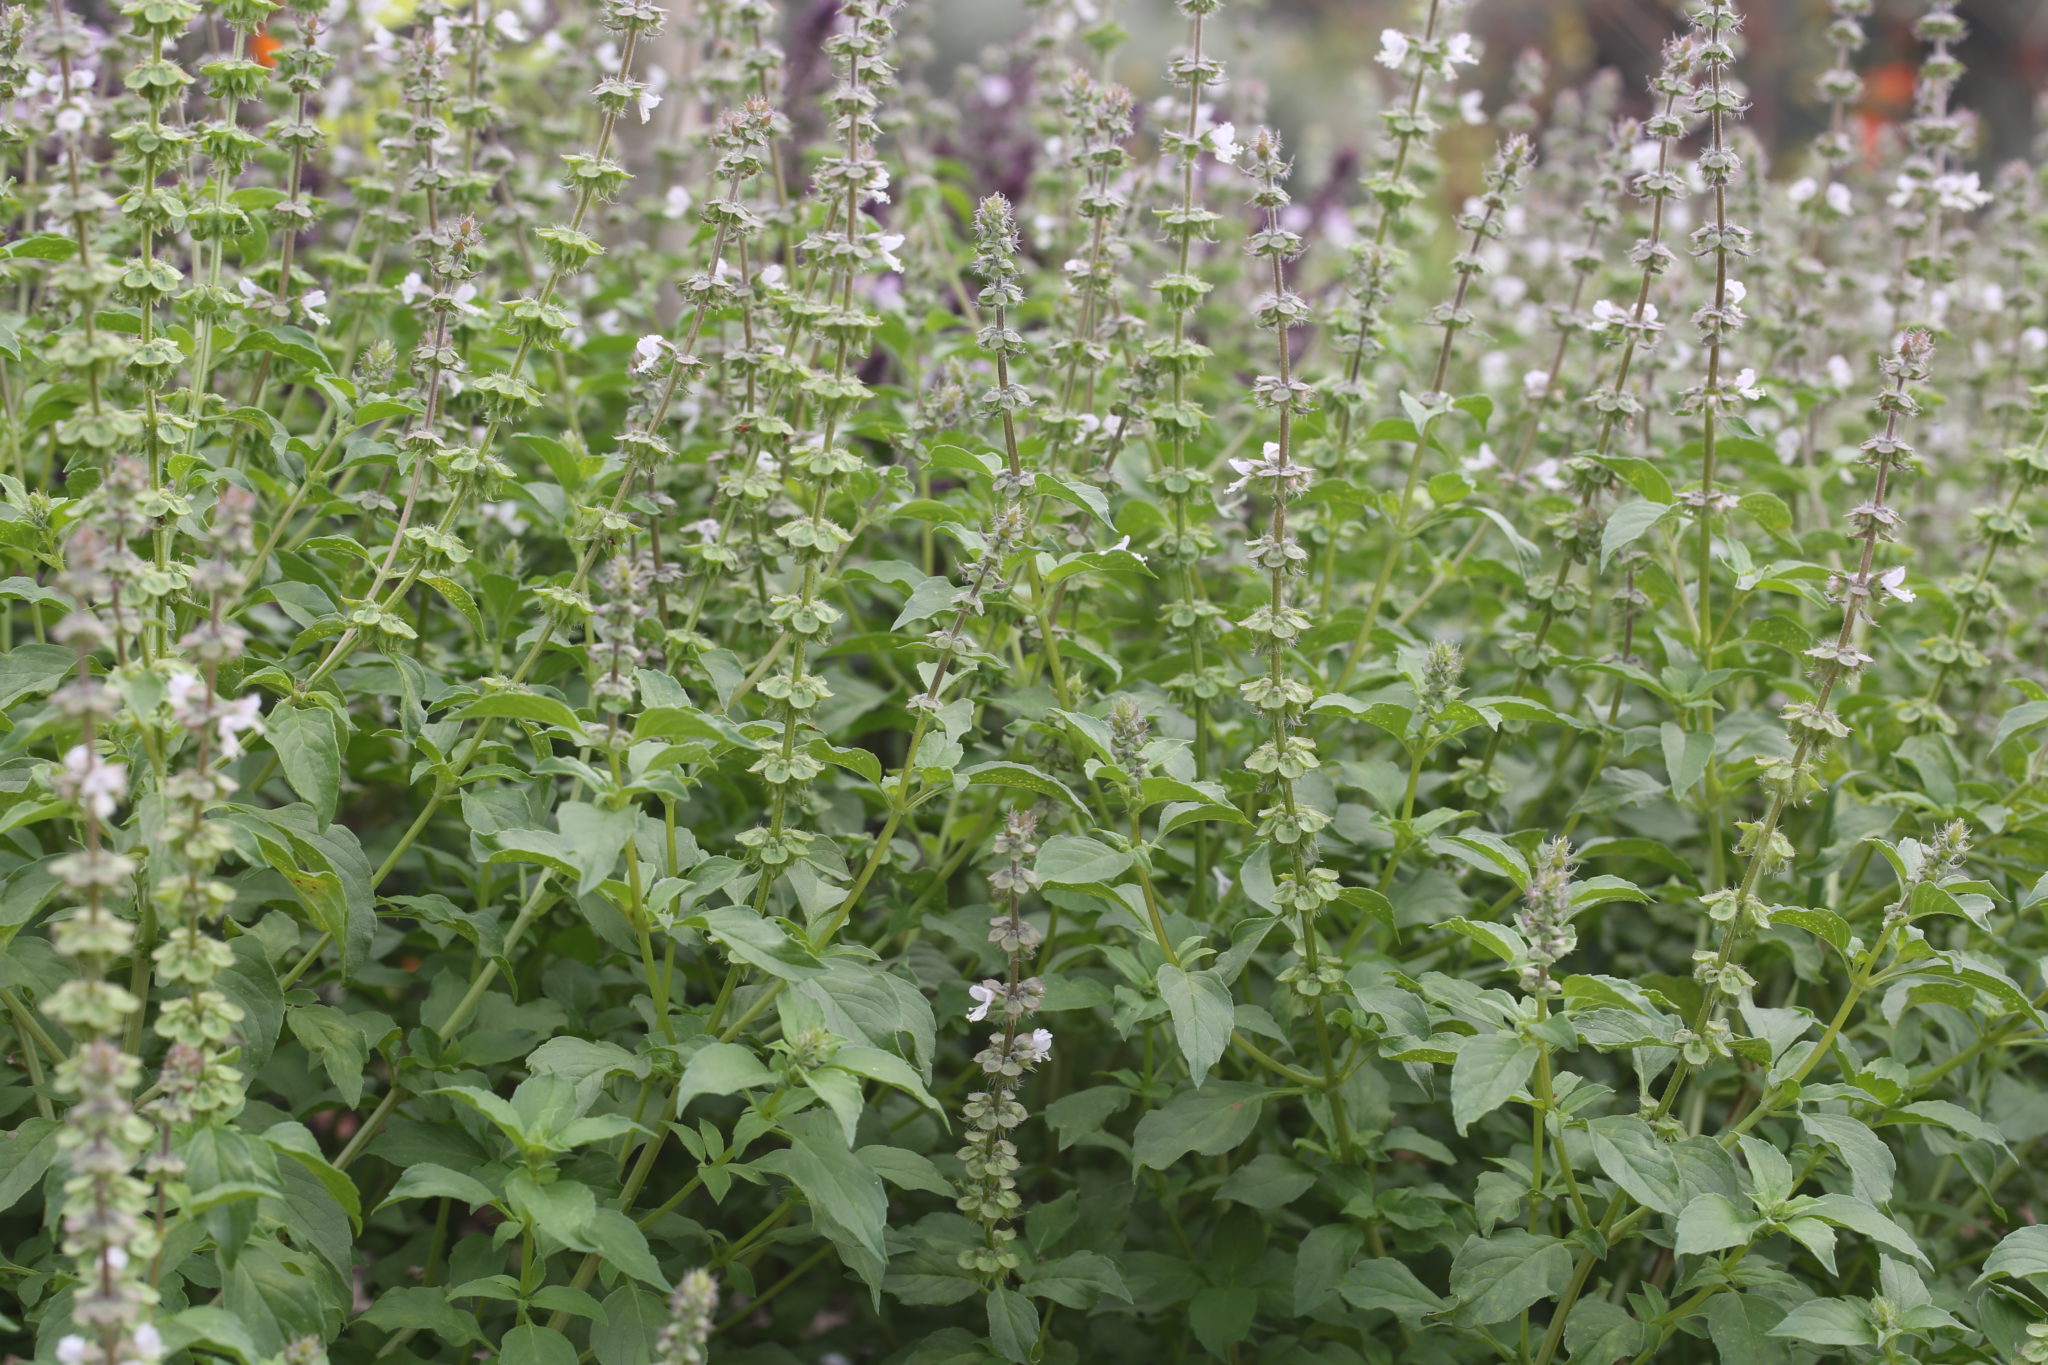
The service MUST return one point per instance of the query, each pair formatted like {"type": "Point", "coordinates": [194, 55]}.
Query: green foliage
{"type": "Point", "coordinates": [625, 743]}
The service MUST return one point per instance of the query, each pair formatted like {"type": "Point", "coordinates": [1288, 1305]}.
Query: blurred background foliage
{"type": "Point", "coordinates": [1307, 66]}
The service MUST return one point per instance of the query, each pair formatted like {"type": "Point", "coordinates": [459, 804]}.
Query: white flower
{"type": "Point", "coordinates": [1394, 47]}
{"type": "Point", "coordinates": [1802, 190]}
{"type": "Point", "coordinates": [1960, 191]}
{"type": "Point", "coordinates": [676, 203]}
{"type": "Point", "coordinates": [149, 1343]}
{"type": "Point", "coordinates": [1645, 155]}
{"type": "Point", "coordinates": [1545, 472]}
{"type": "Point", "coordinates": [243, 714]}
{"type": "Point", "coordinates": [116, 1258]}
{"type": "Point", "coordinates": [1459, 51]}
{"type": "Point", "coordinates": [1736, 292]}
{"type": "Point", "coordinates": [1536, 384]}
{"type": "Point", "coordinates": [1893, 581]}
{"type": "Point", "coordinates": [1840, 200]}
{"type": "Point", "coordinates": [251, 291]}
{"type": "Point", "coordinates": [647, 102]}
{"type": "Point", "coordinates": [1223, 142]}
{"type": "Point", "coordinates": [886, 245]}
{"type": "Point", "coordinates": [1472, 106]}
{"type": "Point", "coordinates": [311, 302]}
{"type": "Point", "coordinates": [1036, 1045]}
{"type": "Point", "coordinates": [506, 514]}
{"type": "Point", "coordinates": [2035, 339]}
{"type": "Point", "coordinates": [984, 994]}
{"type": "Point", "coordinates": [1991, 299]}
{"type": "Point", "coordinates": [648, 352]}
{"type": "Point", "coordinates": [877, 188]}
{"type": "Point", "coordinates": [1746, 385]}
{"type": "Point", "coordinates": [71, 116]}
{"type": "Point", "coordinates": [411, 287]}
{"type": "Point", "coordinates": [1485, 459]}
{"type": "Point", "coordinates": [96, 784]}
{"type": "Point", "coordinates": [1840, 373]}
{"type": "Point", "coordinates": [72, 1350]}
{"type": "Point", "coordinates": [509, 28]}
{"type": "Point", "coordinates": [995, 89]}
{"type": "Point", "coordinates": [462, 294]}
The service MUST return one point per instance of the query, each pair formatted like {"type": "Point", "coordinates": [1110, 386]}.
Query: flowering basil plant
{"type": "Point", "coordinates": [669, 700]}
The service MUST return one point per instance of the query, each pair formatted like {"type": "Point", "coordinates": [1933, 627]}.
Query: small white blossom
{"type": "Point", "coordinates": [984, 994]}
{"type": "Point", "coordinates": [311, 303]}
{"type": "Point", "coordinates": [1840, 373]}
{"type": "Point", "coordinates": [1036, 1045]}
{"type": "Point", "coordinates": [676, 203]}
{"type": "Point", "coordinates": [1394, 46]}
{"type": "Point", "coordinates": [1746, 385]}
{"type": "Point", "coordinates": [886, 245]}
{"type": "Point", "coordinates": [509, 28]}
{"type": "Point", "coordinates": [411, 287]}
{"type": "Point", "coordinates": [94, 783]}
{"type": "Point", "coordinates": [1736, 292]}
{"type": "Point", "coordinates": [1472, 106]}
{"type": "Point", "coordinates": [1460, 51]}
{"type": "Point", "coordinates": [1840, 200]}
{"type": "Point", "coordinates": [1893, 581]}
{"type": "Point", "coordinates": [245, 713]}
{"type": "Point", "coordinates": [1223, 142]}
{"type": "Point", "coordinates": [648, 352]}
{"type": "Point", "coordinates": [1536, 384]}
{"type": "Point", "coordinates": [1802, 190]}
{"type": "Point", "coordinates": [647, 102]}
{"type": "Point", "coordinates": [72, 1350]}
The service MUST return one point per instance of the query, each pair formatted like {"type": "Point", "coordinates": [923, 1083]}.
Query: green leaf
{"type": "Point", "coordinates": [1628, 524]}
{"type": "Point", "coordinates": [1020, 777]}
{"type": "Point", "coordinates": [1490, 1069]}
{"type": "Point", "coordinates": [2022, 1253]}
{"type": "Point", "coordinates": [1871, 1164]}
{"type": "Point", "coordinates": [1203, 1016]}
{"type": "Point", "coordinates": [1686, 753]}
{"type": "Point", "coordinates": [846, 1197]}
{"type": "Point", "coordinates": [1207, 1122]}
{"type": "Point", "coordinates": [1494, 1278]}
{"type": "Point", "coordinates": [1822, 924]}
{"type": "Point", "coordinates": [1602, 1333]}
{"type": "Point", "coordinates": [1633, 1157]}
{"type": "Point", "coordinates": [419, 1308]}
{"type": "Point", "coordinates": [534, 1345]}
{"type": "Point", "coordinates": [1828, 1322]}
{"type": "Point", "coordinates": [759, 942]}
{"type": "Point", "coordinates": [1268, 1181]}
{"type": "Point", "coordinates": [527, 706]}
{"type": "Point", "coordinates": [25, 1154]}
{"type": "Point", "coordinates": [1852, 1213]}
{"type": "Point", "coordinates": [309, 751]}
{"type": "Point", "coordinates": [720, 1069]}
{"type": "Point", "coordinates": [427, 1180]}
{"type": "Point", "coordinates": [332, 1036]}
{"type": "Point", "coordinates": [1712, 1222]}
{"type": "Point", "coordinates": [1077, 860]}
{"type": "Point", "coordinates": [1386, 1285]}
{"type": "Point", "coordinates": [1012, 1324]}
{"type": "Point", "coordinates": [456, 596]}
{"type": "Point", "coordinates": [632, 1322]}
{"type": "Point", "coordinates": [1320, 1264]}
